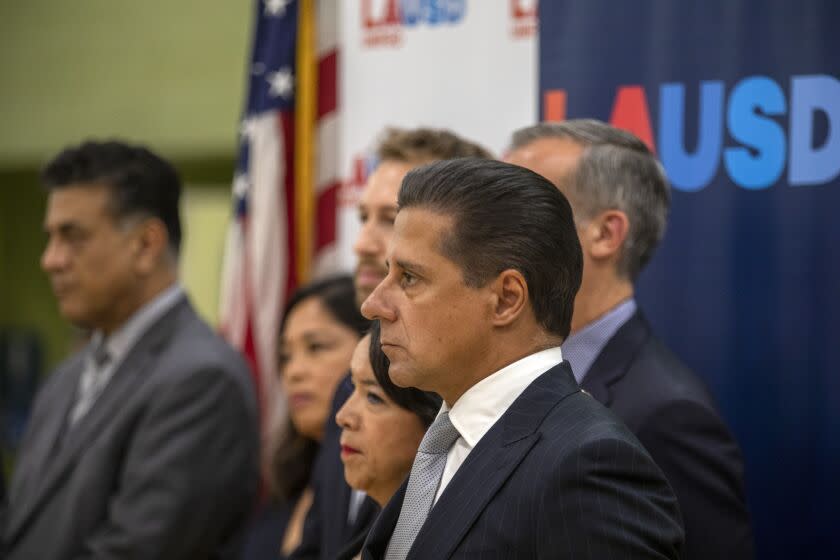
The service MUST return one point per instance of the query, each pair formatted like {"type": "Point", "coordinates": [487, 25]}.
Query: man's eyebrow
{"type": "Point", "coordinates": [412, 266]}
{"type": "Point", "coordinates": [63, 227]}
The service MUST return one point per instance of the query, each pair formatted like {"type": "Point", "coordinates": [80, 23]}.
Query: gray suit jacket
{"type": "Point", "coordinates": [164, 465]}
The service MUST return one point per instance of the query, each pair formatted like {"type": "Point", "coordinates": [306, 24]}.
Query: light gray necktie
{"type": "Point", "coordinates": [423, 484]}
{"type": "Point", "coordinates": [91, 382]}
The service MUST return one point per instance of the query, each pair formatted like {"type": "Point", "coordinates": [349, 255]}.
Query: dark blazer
{"type": "Point", "coordinates": [673, 415]}
{"type": "Point", "coordinates": [558, 476]}
{"type": "Point", "coordinates": [326, 531]}
{"type": "Point", "coordinates": [263, 539]}
{"type": "Point", "coordinates": [353, 548]}
{"type": "Point", "coordinates": [164, 465]}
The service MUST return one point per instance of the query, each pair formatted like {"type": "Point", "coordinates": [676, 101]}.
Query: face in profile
{"type": "Point", "coordinates": [315, 350]}
{"type": "Point", "coordinates": [433, 324]}
{"type": "Point", "coordinates": [379, 439]}
{"type": "Point", "coordinates": [377, 210]}
{"type": "Point", "coordinates": [89, 257]}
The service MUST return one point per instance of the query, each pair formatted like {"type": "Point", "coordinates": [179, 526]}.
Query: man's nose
{"type": "Point", "coordinates": [377, 304]}
{"type": "Point", "coordinates": [53, 257]}
{"type": "Point", "coordinates": [367, 242]}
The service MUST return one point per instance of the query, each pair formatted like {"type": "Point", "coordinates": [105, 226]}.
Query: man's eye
{"type": "Point", "coordinates": [407, 280]}
{"type": "Point", "coordinates": [363, 217]}
{"type": "Point", "coordinates": [74, 237]}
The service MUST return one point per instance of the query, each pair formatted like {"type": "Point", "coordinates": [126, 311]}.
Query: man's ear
{"type": "Point", "coordinates": [150, 242]}
{"type": "Point", "coordinates": [510, 297]}
{"type": "Point", "coordinates": [604, 235]}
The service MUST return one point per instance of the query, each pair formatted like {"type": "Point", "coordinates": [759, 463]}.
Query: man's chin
{"type": "Point", "coordinates": [73, 315]}
{"type": "Point", "coordinates": [400, 376]}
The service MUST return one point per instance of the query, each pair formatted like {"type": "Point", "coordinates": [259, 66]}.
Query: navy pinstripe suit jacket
{"type": "Point", "coordinates": [558, 476]}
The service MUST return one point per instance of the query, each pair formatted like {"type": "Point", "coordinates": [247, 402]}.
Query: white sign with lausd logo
{"type": "Point", "coordinates": [466, 65]}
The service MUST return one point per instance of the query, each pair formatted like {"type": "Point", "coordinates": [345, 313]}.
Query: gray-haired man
{"type": "Point", "coordinates": [620, 197]}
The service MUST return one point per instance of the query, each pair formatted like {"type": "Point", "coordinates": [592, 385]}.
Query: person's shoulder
{"type": "Point", "coordinates": [580, 420]}
{"type": "Point", "coordinates": [195, 339]}
{"type": "Point", "coordinates": [55, 381]}
{"type": "Point", "coordinates": [656, 378]}
{"type": "Point", "coordinates": [195, 350]}
{"type": "Point", "coordinates": [658, 393]}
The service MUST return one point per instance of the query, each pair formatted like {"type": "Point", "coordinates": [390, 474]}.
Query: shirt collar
{"type": "Point", "coordinates": [583, 347]}
{"type": "Point", "coordinates": [485, 402]}
{"type": "Point", "coordinates": [122, 340]}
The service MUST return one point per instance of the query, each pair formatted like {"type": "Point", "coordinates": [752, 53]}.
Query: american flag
{"type": "Point", "coordinates": [279, 220]}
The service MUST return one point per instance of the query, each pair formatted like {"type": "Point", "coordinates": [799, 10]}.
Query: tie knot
{"type": "Point", "coordinates": [440, 436]}
{"type": "Point", "coordinates": [101, 357]}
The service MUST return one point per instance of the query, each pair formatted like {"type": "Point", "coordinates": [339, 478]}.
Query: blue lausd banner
{"type": "Point", "coordinates": [741, 101]}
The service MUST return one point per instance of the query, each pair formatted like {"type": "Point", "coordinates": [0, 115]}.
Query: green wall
{"type": "Point", "coordinates": [26, 301]}
{"type": "Point", "coordinates": [168, 73]}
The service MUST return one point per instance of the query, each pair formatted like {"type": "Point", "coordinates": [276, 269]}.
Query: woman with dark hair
{"type": "Point", "coordinates": [382, 426]}
{"type": "Point", "coordinates": [320, 328]}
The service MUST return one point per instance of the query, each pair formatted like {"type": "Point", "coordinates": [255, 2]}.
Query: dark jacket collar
{"type": "Point", "coordinates": [614, 360]}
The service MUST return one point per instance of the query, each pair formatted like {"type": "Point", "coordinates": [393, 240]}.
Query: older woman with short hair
{"type": "Point", "coordinates": [382, 425]}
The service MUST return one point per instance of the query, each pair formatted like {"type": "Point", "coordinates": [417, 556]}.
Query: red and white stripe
{"type": "Point", "coordinates": [327, 179]}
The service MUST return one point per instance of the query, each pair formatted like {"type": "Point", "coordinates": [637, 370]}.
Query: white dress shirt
{"type": "Point", "coordinates": [485, 402]}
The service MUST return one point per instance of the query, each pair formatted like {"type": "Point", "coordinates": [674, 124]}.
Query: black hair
{"type": "Point", "coordinates": [294, 455]}
{"type": "Point", "coordinates": [140, 182]}
{"type": "Point", "coordinates": [424, 404]}
{"type": "Point", "coordinates": [504, 217]}
{"type": "Point", "coordinates": [333, 292]}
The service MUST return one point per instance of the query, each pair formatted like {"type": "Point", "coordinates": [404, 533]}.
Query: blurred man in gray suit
{"type": "Point", "coordinates": [144, 444]}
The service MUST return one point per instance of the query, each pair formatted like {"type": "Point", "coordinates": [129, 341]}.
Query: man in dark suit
{"type": "Point", "coordinates": [144, 444]}
{"type": "Point", "coordinates": [621, 197]}
{"type": "Point", "coordinates": [338, 513]}
{"type": "Point", "coordinates": [484, 265]}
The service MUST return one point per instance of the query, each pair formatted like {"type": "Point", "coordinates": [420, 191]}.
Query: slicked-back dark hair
{"type": "Point", "coordinates": [140, 182]}
{"type": "Point", "coordinates": [424, 404]}
{"type": "Point", "coordinates": [504, 217]}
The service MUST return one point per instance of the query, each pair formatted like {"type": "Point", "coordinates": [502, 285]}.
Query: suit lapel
{"type": "Point", "coordinates": [382, 529]}
{"type": "Point", "coordinates": [54, 425]}
{"type": "Point", "coordinates": [613, 361]}
{"type": "Point", "coordinates": [490, 464]}
{"type": "Point", "coordinates": [118, 391]}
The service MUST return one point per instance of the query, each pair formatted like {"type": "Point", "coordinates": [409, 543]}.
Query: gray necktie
{"type": "Point", "coordinates": [91, 382]}
{"type": "Point", "coordinates": [423, 484]}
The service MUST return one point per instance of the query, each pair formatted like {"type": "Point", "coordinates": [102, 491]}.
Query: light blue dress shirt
{"type": "Point", "coordinates": [583, 347]}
